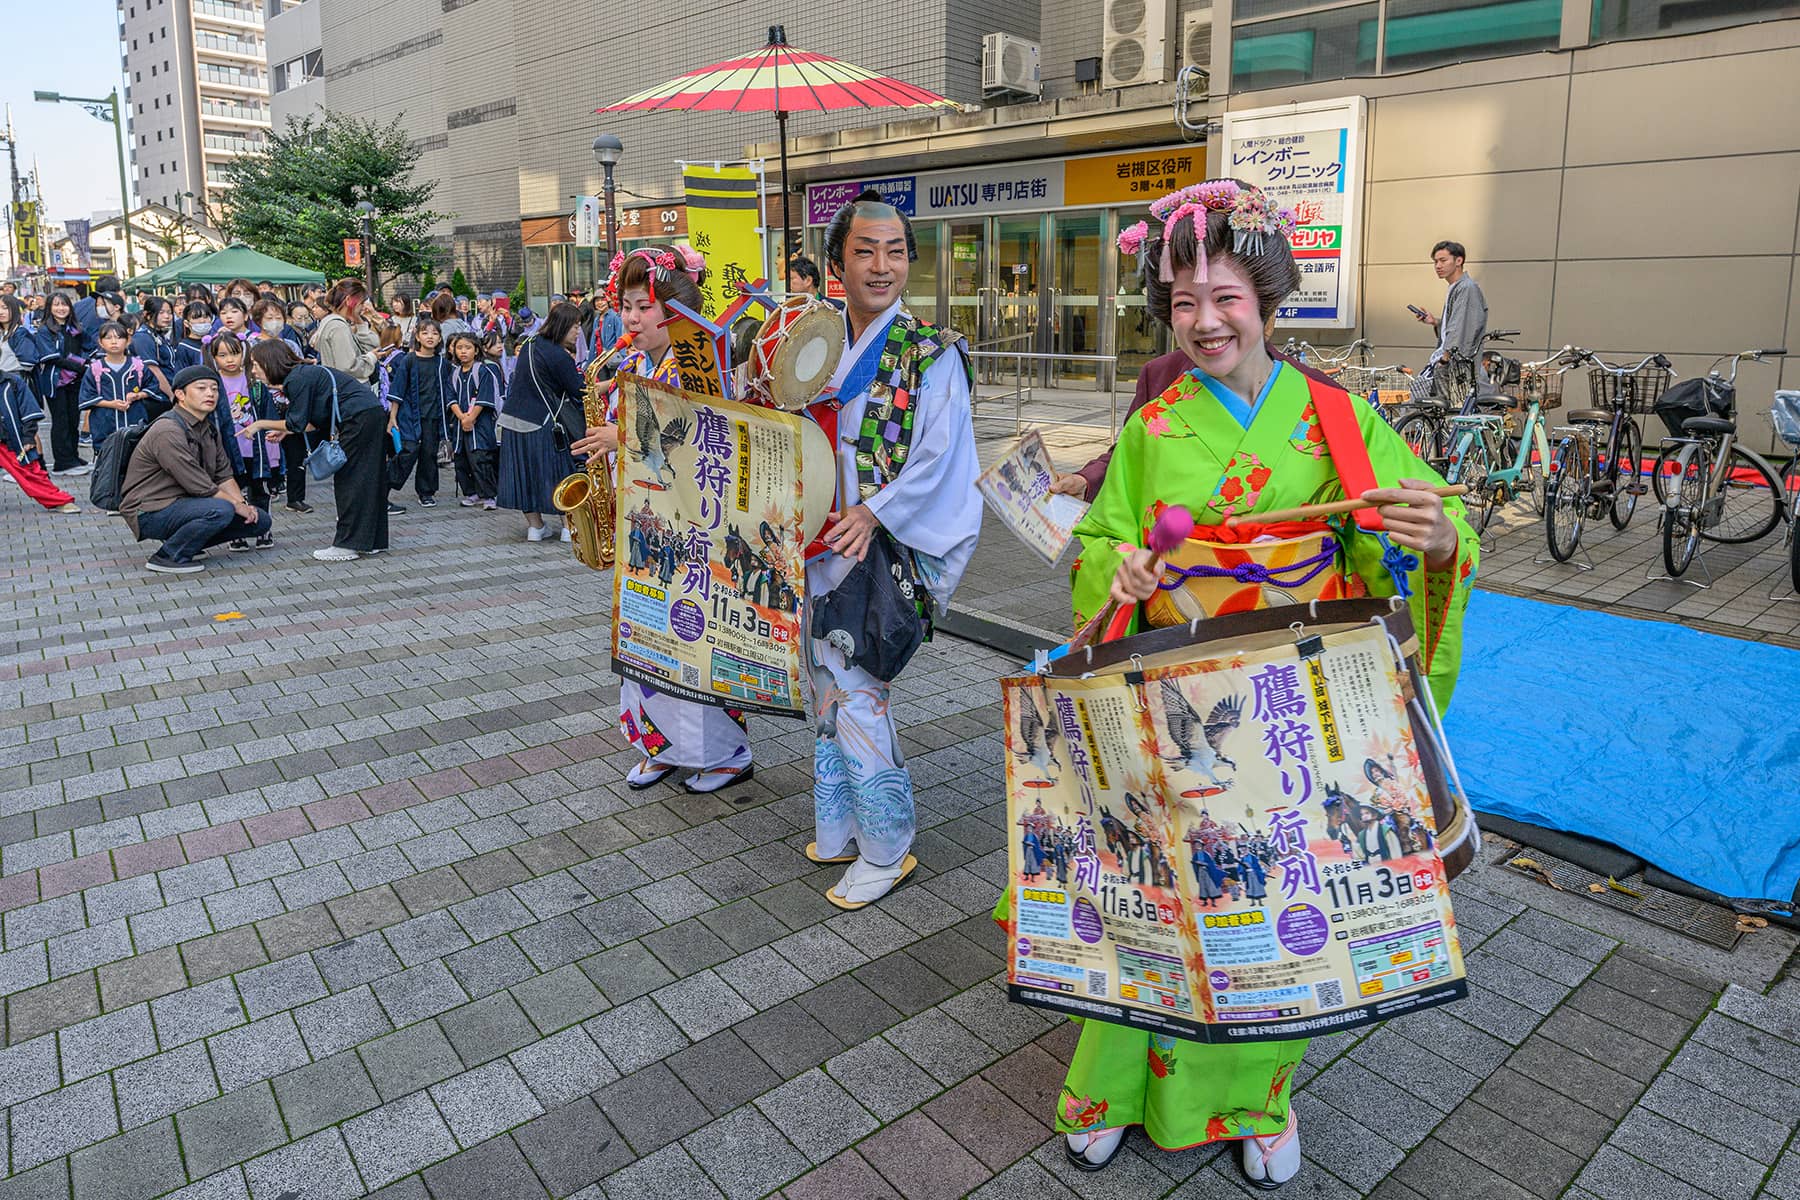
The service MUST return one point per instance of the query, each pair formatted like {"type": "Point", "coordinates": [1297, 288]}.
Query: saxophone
{"type": "Point", "coordinates": [585, 499]}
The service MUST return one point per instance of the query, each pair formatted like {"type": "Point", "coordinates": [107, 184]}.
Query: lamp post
{"type": "Point", "coordinates": [368, 240]}
{"type": "Point", "coordinates": [107, 109]}
{"type": "Point", "coordinates": [607, 151]}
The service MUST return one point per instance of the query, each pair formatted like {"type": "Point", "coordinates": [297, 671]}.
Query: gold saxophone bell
{"type": "Point", "coordinates": [585, 499]}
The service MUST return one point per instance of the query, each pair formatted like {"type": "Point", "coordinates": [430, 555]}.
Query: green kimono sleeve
{"type": "Point", "coordinates": [1115, 517]}
{"type": "Point", "coordinates": [1439, 598]}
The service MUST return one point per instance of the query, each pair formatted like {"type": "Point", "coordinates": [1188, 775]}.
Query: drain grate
{"type": "Point", "coordinates": [1709, 923]}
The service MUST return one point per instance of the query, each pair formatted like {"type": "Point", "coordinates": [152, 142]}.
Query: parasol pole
{"type": "Point", "coordinates": [778, 37]}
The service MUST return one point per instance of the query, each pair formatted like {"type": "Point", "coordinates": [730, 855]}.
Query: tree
{"type": "Point", "coordinates": [518, 295]}
{"type": "Point", "coordinates": [172, 233]}
{"type": "Point", "coordinates": [428, 280]}
{"type": "Point", "coordinates": [459, 284]}
{"type": "Point", "coordinates": [297, 199]}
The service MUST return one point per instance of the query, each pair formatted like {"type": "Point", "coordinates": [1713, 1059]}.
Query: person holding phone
{"type": "Point", "coordinates": [1464, 322]}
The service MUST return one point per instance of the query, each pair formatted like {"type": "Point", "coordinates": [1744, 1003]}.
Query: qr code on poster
{"type": "Point", "coordinates": [690, 675]}
{"type": "Point", "coordinates": [1329, 993]}
{"type": "Point", "coordinates": [1096, 983]}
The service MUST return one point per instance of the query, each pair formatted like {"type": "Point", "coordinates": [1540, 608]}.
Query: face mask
{"type": "Point", "coordinates": [273, 325]}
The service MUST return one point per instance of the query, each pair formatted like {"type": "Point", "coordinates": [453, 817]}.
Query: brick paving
{"type": "Point", "coordinates": [346, 896]}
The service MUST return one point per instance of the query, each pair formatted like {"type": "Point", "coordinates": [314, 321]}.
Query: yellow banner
{"type": "Point", "coordinates": [722, 220]}
{"type": "Point", "coordinates": [1124, 178]}
{"type": "Point", "coordinates": [25, 234]}
{"type": "Point", "coordinates": [709, 529]}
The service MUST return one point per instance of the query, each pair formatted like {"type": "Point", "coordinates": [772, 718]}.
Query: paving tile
{"type": "Point", "coordinates": [259, 1050]}
{"type": "Point", "coordinates": [226, 953]}
{"type": "Point", "coordinates": [903, 982]}
{"type": "Point", "coordinates": [193, 1013]}
{"type": "Point", "coordinates": [559, 999]}
{"type": "Point", "coordinates": [723, 1072]}
{"type": "Point", "coordinates": [323, 1094]}
{"type": "Point", "coordinates": [849, 1009]}
{"type": "Point", "coordinates": [816, 1115]}
{"type": "Point", "coordinates": [359, 960]}
{"type": "Point", "coordinates": [634, 1035]}
{"type": "Point", "coordinates": [1688, 1156]}
{"type": "Point", "coordinates": [1604, 1043]}
{"type": "Point", "coordinates": [298, 931]}
{"type": "Point", "coordinates": [564, 1066]}
{"type": "Point", "coordinates": [669, 1174]}
{"type": "Point", "coordinates": [85, 948]}
{"type": "Point", "coordinates": [922, 1161]}
{"type": "Point", "coordinates": [651, 1108]}
{"type": "Point", "coordinates": [1026, 1180]}
{"type": "Point", "coordinates": [493, 1169]}
{"type": "Point", "coordinates": [364, 911]}
{"type": "Point", "coordinates": [1692, 1106]}
{"type": "Point", "coordinates": [488, 1028]}
{"type": "Point", "coordinates": [687, 947]}
{"type": "Point", "coordinates": [626, 972]}
{"type": "Point", "coordinates": [102, 1043]}
{"type": "Point", "coordinates": [982, 1120]}
{"type": "Point", "coordinates": [845, 1175]}
{"type": "Point", "coordinates": [163, 1085]}
{"type": "Point", "coordinates": [237, 1126]}
{"type": "Point", "coordinates": [1498, 1143]}
{"type": "Point", "coordinates": [702, 1004]}
{"type": "Point", "coordinates": [59, 1122]}
{"type": "Point", "coordinates": [411, 1059]}
{"type": "Point", "coordinates": [145, 1162]}
{"type": "Point", "coordinates": [1427, 1167]}
{"type": "Point", "coordinates": [1614, 1175]}
{"type": "Point", "coordinates": [1655, 985]}
{"type": "Point", "coordinates": [316, 1167]}
{"type": "Point", "coordinates": [487, 967]}
{"type": "Point", "coordinates": [572, 1147]}
{"type": "Point", "coordinates": [491, 914]}
{"type": "Point", "coordinates": [341, 1021]}
{"type": "Point", "coordinates": [947, 1051]}
{"type": "Point", "coordinates": [423, 991]}
{"type": "Point", "coordinates": [486, 1101]}
{"type": "Point", "coordinates": [1535, 1105]}
{"type": "Point", "coordinates": [397, 1139]}
{"type": "Point", "coordinates": [51, 1006]}
{"type": "Point", "coordinates": [28, 1069]}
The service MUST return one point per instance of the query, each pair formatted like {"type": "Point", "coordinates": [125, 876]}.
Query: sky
{"type": "Point", "coordinates": [64, 46]}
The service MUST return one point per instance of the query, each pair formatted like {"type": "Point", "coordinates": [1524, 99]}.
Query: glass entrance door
{"type": "Point", "coordinates": [1076, 264]}
{"type": "Point", "coordinates": [966, 276]}
{"type": "Point", "coordinates": [1016, 279]}
{"type": "Point", "coordinates": [1138, 337]}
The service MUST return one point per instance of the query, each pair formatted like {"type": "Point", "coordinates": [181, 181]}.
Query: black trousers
{"type": "Point", "coordinates": [65, 427]}
{"type": "Point", "coordinates": [478, 472]}
{"type": "Point", "coordinates": [293, 461]}
{"type": "Point", "coordinates": [360, 486]}
{"type": "Point", "coordinates": [418, 459]}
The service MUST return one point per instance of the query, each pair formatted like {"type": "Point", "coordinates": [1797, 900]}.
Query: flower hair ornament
{"type": "Point", "coordinates": [1252, 219]}
{"type": "Point", "coordinates": [663, 261]}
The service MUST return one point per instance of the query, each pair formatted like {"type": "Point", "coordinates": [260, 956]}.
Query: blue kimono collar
{"type": "Point", "coordinates": [855, 374]}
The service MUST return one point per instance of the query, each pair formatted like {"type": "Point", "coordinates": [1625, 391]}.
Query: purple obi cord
{"type": "Point", "coordinates": [1254, 572]}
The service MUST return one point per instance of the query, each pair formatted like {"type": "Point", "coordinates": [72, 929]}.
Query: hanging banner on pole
{"type": "Point", "coordinates": [81, 235]}
{"type": "Point", "coordinates": [1309, 157]}
{"type": "Point", "coordinates": [588, 224]}
{"type": "Point", "coordinates": [25, 233]}
{"type": "Point", "coordinates": [722, 224]}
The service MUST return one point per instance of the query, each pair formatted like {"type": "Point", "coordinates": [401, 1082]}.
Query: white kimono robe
{"type": "Point", "coordinates": [861, 788]}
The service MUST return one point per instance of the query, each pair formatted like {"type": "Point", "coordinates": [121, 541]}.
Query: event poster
{"type": "Point", "coordinates": [1236, 849]}
{"type": "Point", "coordinates": [1308, 158]}
{"type": "Point", "coordinates": [707, 586]}
{"type": "Point", "coordinates": [724, 225]}
{"type": "Point", "coordinates": [1017, 488]}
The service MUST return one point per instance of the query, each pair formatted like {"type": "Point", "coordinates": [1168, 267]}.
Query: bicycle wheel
{"type": "Point", "coordinates": [1630, 483]}
{"type": "Point", "coordinates": [1681, 516]}
{"type": "Point", "coordinates": [1565, 500]}
{"type": "Point", "coordinates": [1749, 500]}
{"type": "Point", "coordinates": [1473, 469]}
{"type": "Point", "coordinates": [1420, 433]}
{"type": "Point", "coordinates": [1659, 473]}
{"type": "Point", "coordinates": [1534, 474]}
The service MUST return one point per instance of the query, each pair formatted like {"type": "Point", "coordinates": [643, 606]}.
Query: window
{"type": "Point", "coordinates": [1331, 44]}
{"type": "Point", "coordinates": [1615, 20]}
{"type": "Point", "coordinates": [1423, 33]}
{"type": "Point", "coordinates": [153, 70]}
{"type": "Point", "coordinates": [134, 43]}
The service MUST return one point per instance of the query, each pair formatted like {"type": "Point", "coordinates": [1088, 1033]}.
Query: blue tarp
{"type": "Point", "coordinates": [1680, 747]}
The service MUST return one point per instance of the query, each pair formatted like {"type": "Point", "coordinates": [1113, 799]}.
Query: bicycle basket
{"type": "Point", "coordinates": [1543, 385]}
{"type": "Point", "coordinates": [1693, 398]}
{"type": "Point", "coordinates": [1785, 413]}
{"type": "Point", "coordinates": [1637, 391]}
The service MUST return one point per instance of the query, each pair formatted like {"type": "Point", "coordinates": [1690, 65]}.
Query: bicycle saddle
{"type": "Point", "coordinates": [1709, 425]}
{"type": "Point", "coordinates": [1581, 415]}
{"type": "Point", "coordinates": [1493, 403]}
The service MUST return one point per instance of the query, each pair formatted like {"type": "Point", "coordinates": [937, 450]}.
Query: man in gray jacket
{"type": "Point", "coordinates": [1465, 308]}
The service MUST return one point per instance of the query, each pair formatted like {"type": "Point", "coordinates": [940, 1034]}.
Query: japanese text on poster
{"type": "Point", "coordinates": [1017, 489]}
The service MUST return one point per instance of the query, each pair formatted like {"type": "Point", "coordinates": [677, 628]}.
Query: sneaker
{"type": "Point", "coordinates": [469, 501]}
{"type": "Point", "coordinates": [86, 439]}
{"type": "Point", "coordinates": [568, 535]}
{"type": "Point", "coordinates": [112, 512]}
{"type": "Point", "coordinates": [335, 554]}
{"type": "Point", "coordinates": [162, 564]}
{"type": "Point", "coordinates": [395, 508]}
{"type": "Point", "coordinates": [428, 502]}
{"type": "Point", "coordinates": [489, 505]}
{"type": "Point", "coordinates": [299, 506]}
{"type": "Point", "coordinates": [266, 542]}
{"type": "Point", "coordinates": [238, 546]}
{"type": "Point", "coordinates": [77, 469]}
{"type": "Point", "coordinates": [537, 533]}
{"type": "Point", "coordinates": [374, 552]}
{"type": "Point", "coordinates": [70, 507]}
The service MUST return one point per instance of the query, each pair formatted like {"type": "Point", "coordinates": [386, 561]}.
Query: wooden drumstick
{"type": "Point", "coordinates": [1308, 512]}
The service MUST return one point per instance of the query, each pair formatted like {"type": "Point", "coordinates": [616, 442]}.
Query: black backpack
{"type": "Point", "coordinates": [106, 486]}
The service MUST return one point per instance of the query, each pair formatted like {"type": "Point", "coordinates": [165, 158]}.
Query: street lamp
{"type": "Point", "coordinates": [368, 239]}
{"type": "Point", "coordinates": [607, 151]}
{"type": "Point", "coordinates": [107, 109]}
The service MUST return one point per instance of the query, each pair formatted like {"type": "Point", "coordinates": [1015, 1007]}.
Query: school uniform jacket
{"type": "Point", "coordinates": [485, 384]}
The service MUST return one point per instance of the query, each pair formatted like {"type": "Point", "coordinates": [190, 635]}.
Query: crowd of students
{"type": "Point", "coordinates": [440, 367]}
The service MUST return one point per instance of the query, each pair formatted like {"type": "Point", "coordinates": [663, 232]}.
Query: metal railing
{"type": "Point", "coordinates": [228, 12]}
{"type": "Point", "coordinates": [1023, 386]}
{"type": "Point", "coordinates": [235, 112]}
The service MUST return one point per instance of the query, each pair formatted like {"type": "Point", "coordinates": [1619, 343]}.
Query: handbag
{"type": "Point", "coordinates": [880, 614]}
{"type": "Point", "coordinates": [328, 457]}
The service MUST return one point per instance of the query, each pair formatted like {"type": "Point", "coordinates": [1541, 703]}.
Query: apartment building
{"type": "Point", "coordinates": [197, 93]}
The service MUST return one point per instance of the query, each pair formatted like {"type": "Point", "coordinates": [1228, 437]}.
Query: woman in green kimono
{"type": "Point", "coordinates": [1234, 436]}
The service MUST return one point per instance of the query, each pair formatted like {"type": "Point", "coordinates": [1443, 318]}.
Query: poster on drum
{"type": "Point", "coordinates": [1309, 159]}
{"type": "Point", "coordinates": [1238, 848]}
{"type": "Point", "coordinates": [709, 519]}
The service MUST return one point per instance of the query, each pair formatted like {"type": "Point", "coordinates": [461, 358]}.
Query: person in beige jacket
{"type": "Point", "coordinates": [346, 338]}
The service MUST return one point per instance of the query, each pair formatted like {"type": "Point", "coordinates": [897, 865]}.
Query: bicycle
{"type": "Point", "coordinates": [1451, 381]}
{"type": "Point", "coordinates": [1485, 440]}
{"type": "Point", "coordinates": [1784, 414]}
{"type": "Point", "coordinates": [1588, 478]}
{"type": "Point", "coordinates": [1715, 488]}
{"type": "Point", "coordinates": [1329, 358]}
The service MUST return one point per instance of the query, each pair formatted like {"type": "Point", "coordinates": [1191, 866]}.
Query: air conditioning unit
{"type": "Point", "coordinates": [1009, 63]}
{"type": "Point", "coordinates": [1135, 43]}
{"type": "Point", "coordinates": [1196, 40]}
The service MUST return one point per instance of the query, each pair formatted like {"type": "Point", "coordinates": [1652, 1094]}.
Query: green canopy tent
{"type": "Point", "coordinates": [238, 261]}
{"type": "Point", "coordinates": [159, 277]}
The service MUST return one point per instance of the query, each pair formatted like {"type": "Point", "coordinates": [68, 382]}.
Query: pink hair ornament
{"type": "Point", "coordinates": [1251, 215]}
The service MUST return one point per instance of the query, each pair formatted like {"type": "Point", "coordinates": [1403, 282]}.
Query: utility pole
{"type": "Point", "coordinates": [106, 108]}
{"type": "Point", "coordinates": [12, 153]}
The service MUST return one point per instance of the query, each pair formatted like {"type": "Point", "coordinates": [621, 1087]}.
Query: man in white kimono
{"type": "Point", "coordinates": [905, 464]}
